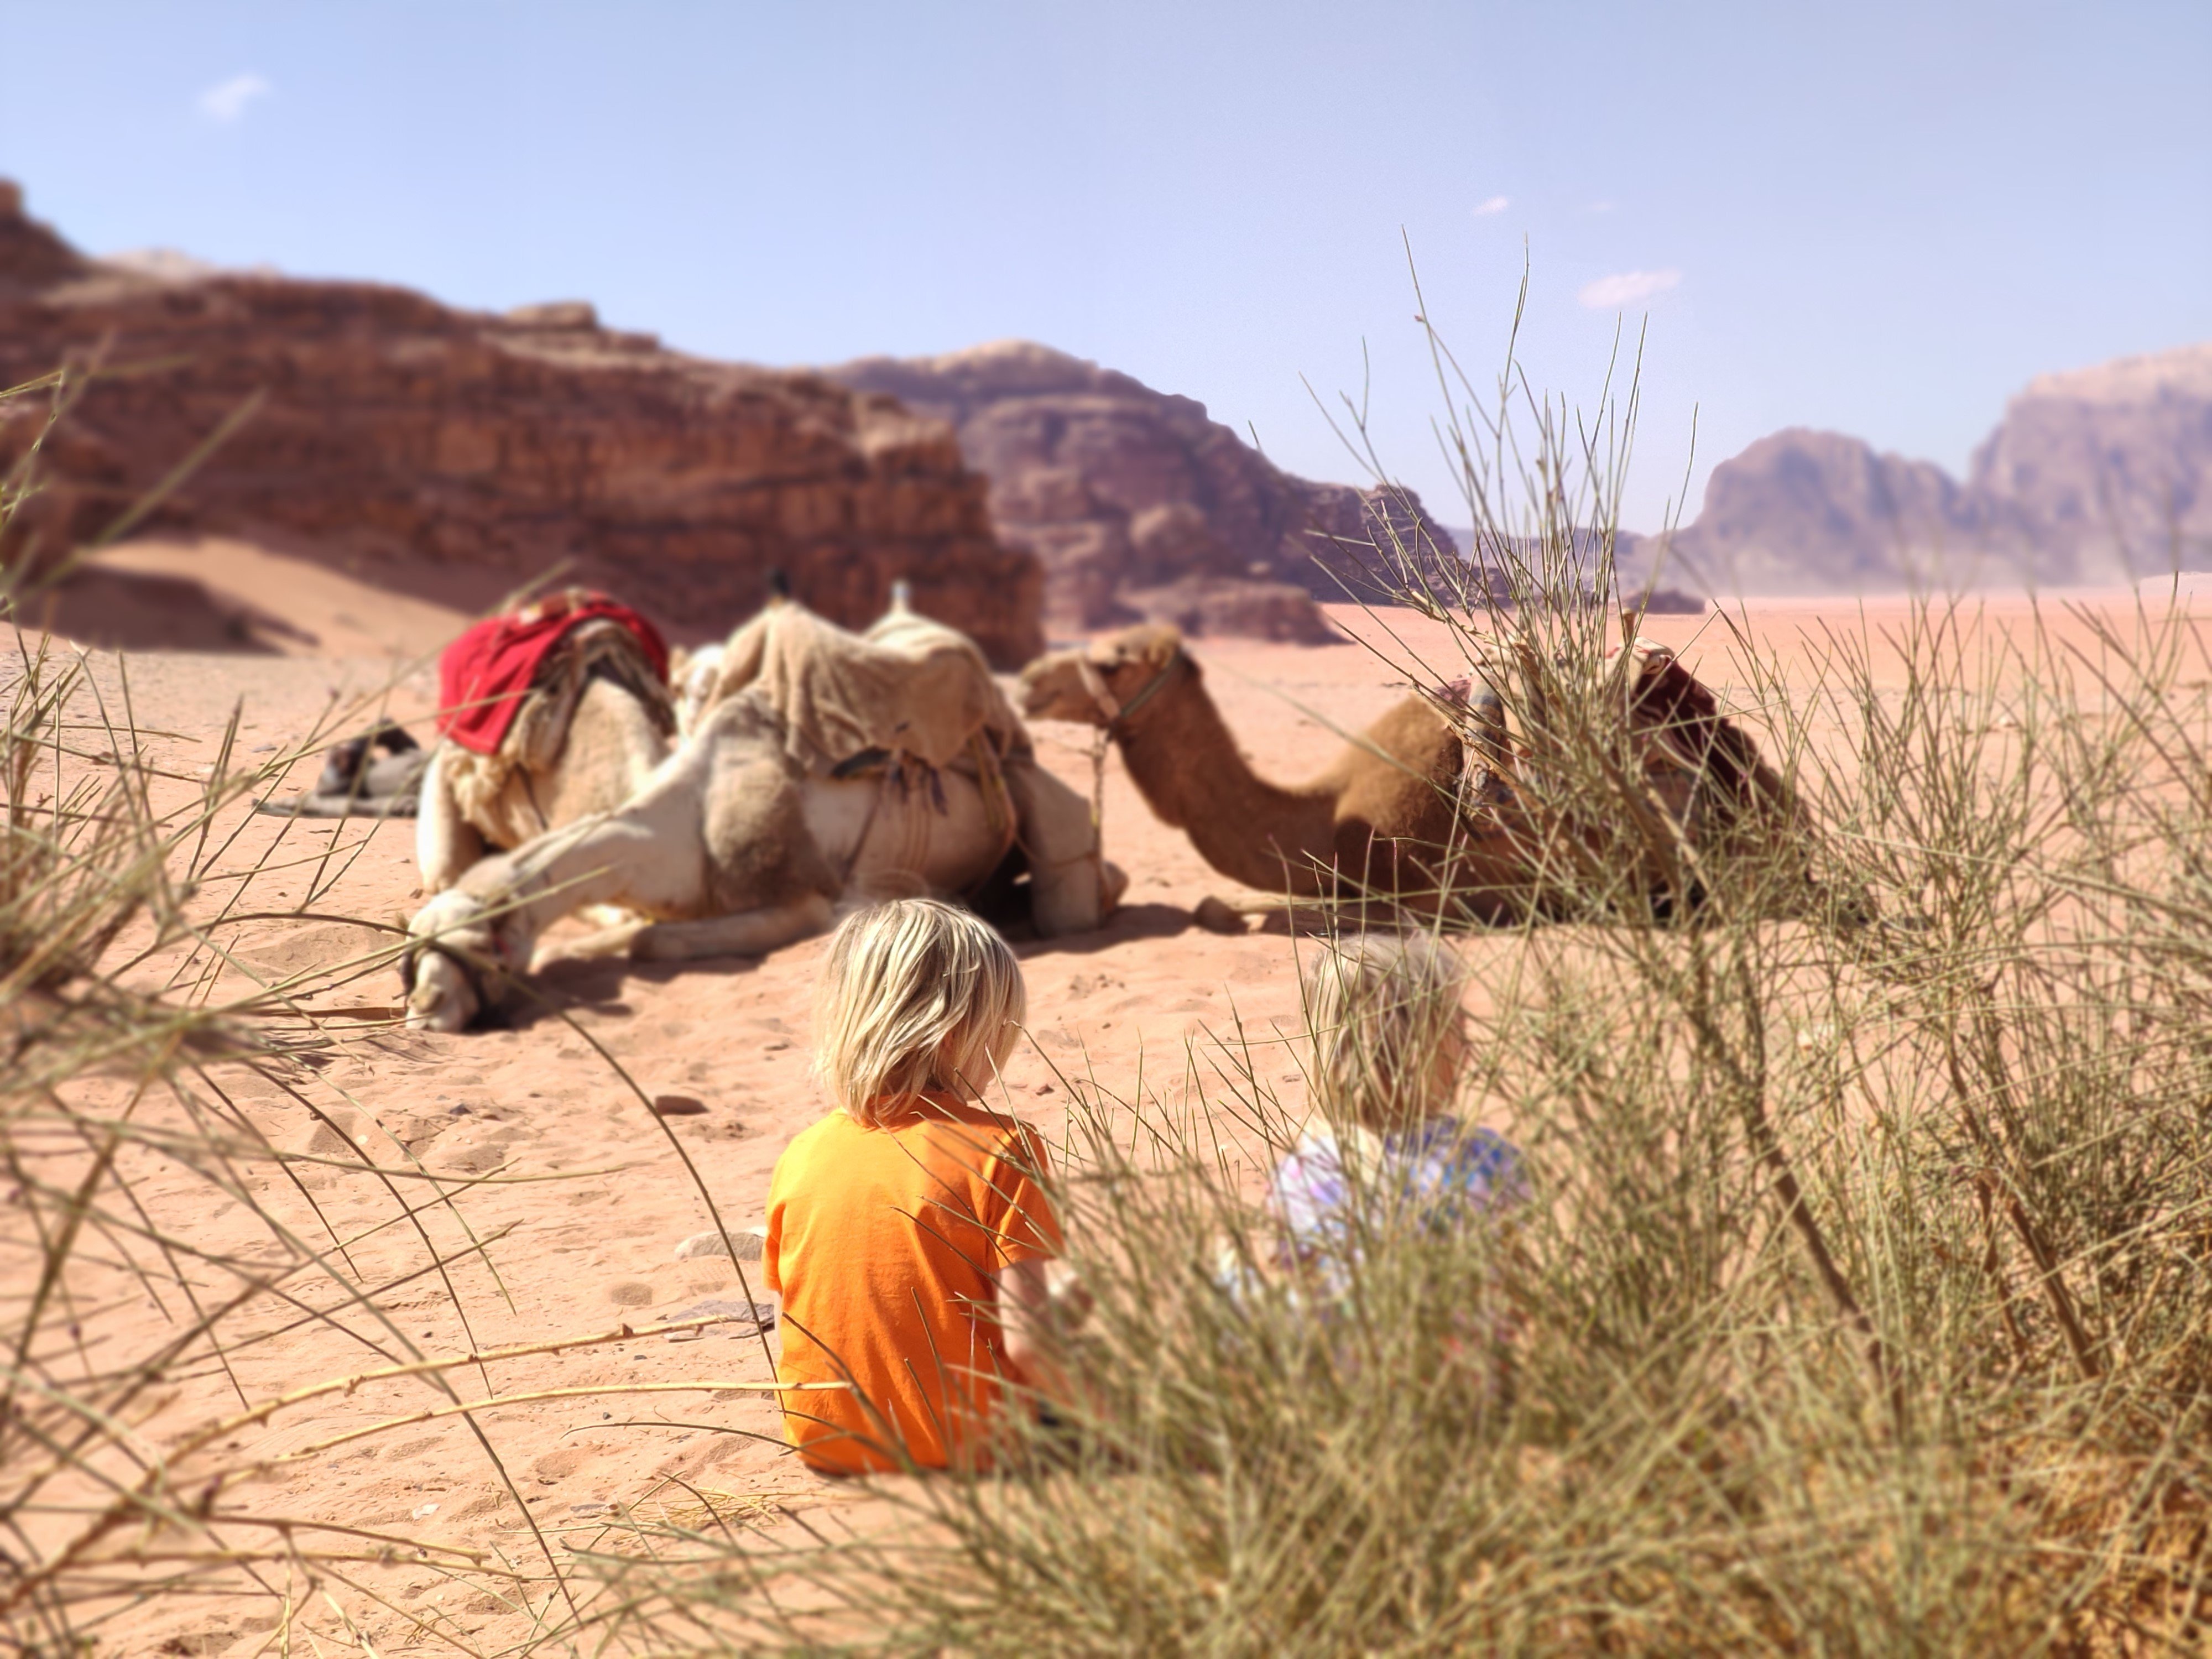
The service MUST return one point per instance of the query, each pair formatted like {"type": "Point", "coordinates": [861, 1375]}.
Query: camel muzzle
{"type": "Point", "coordinates": [486, 976]}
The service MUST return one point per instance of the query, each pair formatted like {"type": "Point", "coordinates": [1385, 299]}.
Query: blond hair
{"type": "Point", "coordinates": [1384, 1012]}
{"type": "Point", "coordinates": [915, 995]}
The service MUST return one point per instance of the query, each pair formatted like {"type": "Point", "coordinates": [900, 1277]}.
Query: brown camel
{"type": "Point", "coordinates": [1382, 819]}
{"type": "Point", "coordinates": [1436, 805]}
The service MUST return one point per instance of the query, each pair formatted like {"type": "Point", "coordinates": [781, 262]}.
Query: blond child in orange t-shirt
{"type": "Point", "coordinates": [907, 1231]}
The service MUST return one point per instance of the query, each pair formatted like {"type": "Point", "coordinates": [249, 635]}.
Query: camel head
{"type": "Point", "coordinates": [440, 995]}
{"type": "Point", "coordinates": [450, 968]}
{"type": "Point", "coordinates": [1097, 682]}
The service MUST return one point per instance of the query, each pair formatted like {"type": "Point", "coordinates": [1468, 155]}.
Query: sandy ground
{"type": "Point", "coordinates": [565, 1191]}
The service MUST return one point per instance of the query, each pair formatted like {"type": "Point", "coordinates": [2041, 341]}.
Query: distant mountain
{"type": "Point", "coordinates": [1138, 503]}
{"type": "Point", "coordinates": [2101, 475]}
{"type": "Point", "coordinates": [1805, 511]}
{"type": "Point", "coordinates": [2110, 468]}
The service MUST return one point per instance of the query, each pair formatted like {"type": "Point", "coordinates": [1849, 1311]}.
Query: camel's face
{"type": "Point", "coordinates": [1052, 689]}
{"type": "Point", "coordinates": [441, 998]}
{"type": "Point", "coordinates": [1067, 686]}
{"type": "Point", "coordinates": [442, 993]}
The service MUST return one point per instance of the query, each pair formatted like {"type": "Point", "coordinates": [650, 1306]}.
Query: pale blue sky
{"type": "Point", "coordinates": [1882, 218]}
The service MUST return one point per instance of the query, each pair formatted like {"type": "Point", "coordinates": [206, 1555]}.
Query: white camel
{"type": "Point", "coordinates": [585, 741]}
{"type": "Point", "coordinates": [733, 846]}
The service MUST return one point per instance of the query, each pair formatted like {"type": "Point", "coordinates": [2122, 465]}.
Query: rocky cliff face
{"type": "Point", "coordinates": [372, 423]}
{"type": "Point", "coordinates": [2110, 467]}
{"type": "Point", "coordinates": [2102, 475]}
{"type": "Point", "coordinates": [1812, 511]}
{"type": "Point", "coordinates": [1138, 503]}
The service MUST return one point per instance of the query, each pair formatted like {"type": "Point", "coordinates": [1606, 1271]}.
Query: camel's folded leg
{"type": "Point", "coordinates": [748, 933]}
{"type": "Point", "coordinates": [609, 918]}
{"type": "Point", "coordinates": [611, 941]}
{"type": "Point", "coordinates": [445, 843]}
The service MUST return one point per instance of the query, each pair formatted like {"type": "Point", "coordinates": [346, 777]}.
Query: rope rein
{"type": "Point", "coordinates": [1101, 740]}
{"type": "Point", "coordinates": [1116, 712]}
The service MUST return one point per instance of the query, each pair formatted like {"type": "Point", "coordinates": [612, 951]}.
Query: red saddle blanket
{"type": "Point", "coordinates": [485, 675]}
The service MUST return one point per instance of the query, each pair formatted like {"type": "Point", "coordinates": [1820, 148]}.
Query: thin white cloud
{"type": "Point", "coordinates": [1600, 206]}
{"type": "Point", "coordinates": [1495, 204]}
{"type": "Point", "coordinates": [1611, 293]}
{"type": "Point", "coordinates": [225, 100]}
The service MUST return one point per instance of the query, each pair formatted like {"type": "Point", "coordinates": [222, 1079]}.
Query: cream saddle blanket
{"type": "Point", "coordinates": [916, 697]}
{"type": "Point", "coordinates": [908, 689]}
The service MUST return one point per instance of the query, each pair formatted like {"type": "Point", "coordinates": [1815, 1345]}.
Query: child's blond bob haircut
{"type": "Point", "coordinates": [1384, 1011]}
{"type": "Point", "coordinates": [915, 995]}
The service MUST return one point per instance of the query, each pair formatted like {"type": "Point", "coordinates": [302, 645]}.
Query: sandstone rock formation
{"type": "Point", "coordinates": [1138, 504]}
{"type": "Point", "coordinates": [1818, 512]}
{"type": "Point", "coordinates": [2110, 468]}
{"type": "Point", "coordinates": [2101, 475]}
{"type": "Point", "coordinates": [374, 428]}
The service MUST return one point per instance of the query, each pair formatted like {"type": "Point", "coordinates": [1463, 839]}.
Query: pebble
{"type": "Point", "coordinates": [1215, 915]}
{"type": "Point", "coordinates": [630, 1293]}
{"type": "Point", "coordinates": [700, 1245]}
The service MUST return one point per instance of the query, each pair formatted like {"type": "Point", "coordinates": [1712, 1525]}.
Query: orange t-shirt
{"type": "Point", "coordinates": [884, 1241]}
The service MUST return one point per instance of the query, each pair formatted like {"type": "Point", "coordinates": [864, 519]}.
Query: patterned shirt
{"type": "Point", "coordinates": [1442, 1173]}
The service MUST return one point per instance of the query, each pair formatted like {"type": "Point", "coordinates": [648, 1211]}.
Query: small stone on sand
{"type": "Point", "coordinates": [699, 1245]}
{"type": "Point", "coordinates": [630, 1293]}
{"type": "Point", "coordinates": [1214, 915]}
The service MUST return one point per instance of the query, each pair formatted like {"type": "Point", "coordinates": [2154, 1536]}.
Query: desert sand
{"type": "Point", "coordinates": [568, 1191]}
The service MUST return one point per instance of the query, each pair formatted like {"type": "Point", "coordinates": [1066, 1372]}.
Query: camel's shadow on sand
{"type": "Point", "coordinates": [1128, 923]}
{"type": "Point", "coordinates": [600, 985]}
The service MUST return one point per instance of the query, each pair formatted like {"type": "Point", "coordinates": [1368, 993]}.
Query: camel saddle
{"type": "Point", "coordinates": [907, 698]}
{"type": "Point", "coordinates": [489, 678]}
{"type": "Point", "coordinates": [1692, 759]}
{"type": "Point", "coordinates": [530, 669]}
{"type": "Point", "coordinates": [907, 690]}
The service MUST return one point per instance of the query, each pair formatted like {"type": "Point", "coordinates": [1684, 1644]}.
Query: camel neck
{"type": "Point", "coordinates": [1184, 760]}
